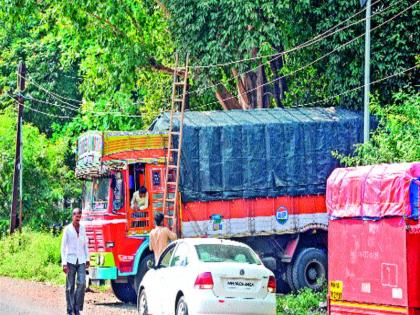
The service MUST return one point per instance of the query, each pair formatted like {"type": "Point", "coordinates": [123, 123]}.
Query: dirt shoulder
{"type": "Point", "coordinates": [28, 297]}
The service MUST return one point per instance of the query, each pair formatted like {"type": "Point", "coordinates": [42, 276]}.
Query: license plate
{"type": "Point", "coordinates": [336, 290]}
{"type": "Point", "coordinates": [237, 284]}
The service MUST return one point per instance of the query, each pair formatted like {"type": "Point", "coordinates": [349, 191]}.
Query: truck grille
{"type": "Point", "coordinates": [96, 239]}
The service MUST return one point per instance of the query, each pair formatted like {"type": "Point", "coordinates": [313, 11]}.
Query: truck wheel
{"type": "Point", "coordinates": [289, 276]}
{"type": "Point", "coordinates": [310, 269]}
{"type": "Point", "coordinates": [145, 264]}
{"type": "Point", "coordinates": [124, 292]}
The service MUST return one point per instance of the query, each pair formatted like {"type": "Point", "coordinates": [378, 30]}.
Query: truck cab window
{"type": "Point", "coordinates": [117, 186]}
{"type": "Point", "coordinates": [100, 193]}
{"type": "Point", "coordinates": [87, 195]}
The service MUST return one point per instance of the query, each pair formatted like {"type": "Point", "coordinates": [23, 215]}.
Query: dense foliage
{"type": "Point", "coordinates": [108, 64]}
{"type": "Point", "coordinates": [18, 258]}
{"type": "Point", "coordinates": [397, 138]}
{"type": "Point", "coordinates": [48, 183]}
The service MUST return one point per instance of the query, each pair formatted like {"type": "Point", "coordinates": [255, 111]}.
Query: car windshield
{"type": "Point", "coordinates": [95, 194]}
{"type": "Point", "coordinates": [226, 253]}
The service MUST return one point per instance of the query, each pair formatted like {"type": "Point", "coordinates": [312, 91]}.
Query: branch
{"type": "Point", "coordinates": [162, 68]}
{"type": "Point", "coordinates": [163, 8]}
{"type": "Point", "coordinates": [115, 29]}
{"type": "Point", "coordinates": [226, 99]}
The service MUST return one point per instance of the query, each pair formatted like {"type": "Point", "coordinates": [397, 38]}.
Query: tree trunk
{"type": "Point", "coordinates": [250, 86]}
{"type": "Point", "coordinates": [279, 86]}
{"type": "Point", "coordinates": [242, 96]}
{"type": "Point", "coordinates": [262, 97]}
{"type": "Point", "coordinates": [226, 99]}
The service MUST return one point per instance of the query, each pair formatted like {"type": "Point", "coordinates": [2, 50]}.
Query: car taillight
{"type": "Point", "coordinates": [271, 287]}
{"type": "Point", "coordinates": [204, 281]}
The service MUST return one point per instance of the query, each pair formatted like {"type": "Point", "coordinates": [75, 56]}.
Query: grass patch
{"type": "Point", "coordinates": [306, 302]}
{"type": "Point", "coordinates": [32, 256]}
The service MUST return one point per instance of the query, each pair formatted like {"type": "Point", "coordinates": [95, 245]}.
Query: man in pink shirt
{"type": "Point", "coordinates": [160, 237]}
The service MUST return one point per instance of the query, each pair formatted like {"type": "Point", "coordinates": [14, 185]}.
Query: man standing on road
{"type": "Point", "coordinates": [75, 260]}
{"type": "Point", "coordinates": [160, 237]}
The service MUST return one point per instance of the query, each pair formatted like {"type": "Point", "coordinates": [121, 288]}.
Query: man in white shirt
{"type": "Point", "coordinates": [75, 260]}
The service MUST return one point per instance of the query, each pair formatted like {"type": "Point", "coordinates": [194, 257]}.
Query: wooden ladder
{"type": "Point", "coordinates": [171, 200]}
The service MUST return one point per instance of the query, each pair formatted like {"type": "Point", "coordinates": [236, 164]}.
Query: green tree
{"type": "Point", "coordinates": [48, 184]}
{"type": "Point", "coordinates": [219, 31]}
{"type": "Point", "coordinates": [397, 138]}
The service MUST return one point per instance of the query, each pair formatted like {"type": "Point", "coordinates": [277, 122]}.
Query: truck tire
{"type": "Point", "coordinates": [310, 269]}
{"type": "Point", "coordinates": [289, 277]}
{"type": "Point", "coordinates": [124, 292]}
{"type": "Point", "coordinates": [145, 264]}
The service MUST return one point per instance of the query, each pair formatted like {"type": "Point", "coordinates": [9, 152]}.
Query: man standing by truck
{"type": "Point", "coordinates": [75, 260]}
{"type": "Point", "coordinates": [160, 237]}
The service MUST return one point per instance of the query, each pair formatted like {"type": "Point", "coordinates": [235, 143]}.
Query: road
{"type": "Point", "coordinates": [27, 297]}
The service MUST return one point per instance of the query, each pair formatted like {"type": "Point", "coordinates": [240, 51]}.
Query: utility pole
{"type": "Point", "coordinates": [18, 157]}
{"type": "Point", "coordinates": [366, 119]}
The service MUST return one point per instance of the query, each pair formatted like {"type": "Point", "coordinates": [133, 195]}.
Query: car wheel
{"type": "Point", "coordinates": [124, 292]}
{"type": "Point", "coordinates": [182, 308]}
{"type": "Point", "coordinates": [142, 303]}
{"type": "Point", "coordinates": [145, 264]}
{"type": "Point", "coordinates": [310, 269]}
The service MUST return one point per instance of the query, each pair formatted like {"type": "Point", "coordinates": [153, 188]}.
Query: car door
{"type": "Point", "coordinates": [157, 291]}
{"type": "Point", "coordinates": [177, 276]}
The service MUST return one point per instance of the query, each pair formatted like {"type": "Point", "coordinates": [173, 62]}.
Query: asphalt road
{"type": "Point", "coordinates": [28, 297]}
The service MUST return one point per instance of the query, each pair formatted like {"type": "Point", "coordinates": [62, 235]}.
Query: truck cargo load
{"type": "Point", "coordinates": [261, 153]}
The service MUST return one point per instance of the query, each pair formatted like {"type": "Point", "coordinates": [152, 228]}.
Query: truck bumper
{"type": "Point", "coordinates": [103, 273]}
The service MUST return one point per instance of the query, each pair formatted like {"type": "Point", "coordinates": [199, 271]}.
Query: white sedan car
{"type": "Point", "coordinates": [208, 276]}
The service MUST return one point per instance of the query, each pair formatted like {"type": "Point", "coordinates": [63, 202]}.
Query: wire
{"type": "Point", "coordinates": [39, 111]}
{"type": "Point", "coordinates": [58, 97]}
{"type": "Point", "coordinates": [305, 44]}
{"type": "Point", "coordinates": [359, 87]}
{"type": "Point", "coordinates": [117, 114]}
{"type": "Point", "coordinates": [316, 60]}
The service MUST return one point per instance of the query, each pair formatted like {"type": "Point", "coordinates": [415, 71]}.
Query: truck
{"type": "Point", "coordinates": [255, 176]}
{"type": "Point", "coordinates": [374, 239]}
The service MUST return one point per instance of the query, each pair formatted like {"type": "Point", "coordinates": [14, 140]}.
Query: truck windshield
{"type": "Point", "coordinates": [95, 194]}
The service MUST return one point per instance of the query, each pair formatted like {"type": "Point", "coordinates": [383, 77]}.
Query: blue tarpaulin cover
{"type": "Point", "coordinates": [261, 153]}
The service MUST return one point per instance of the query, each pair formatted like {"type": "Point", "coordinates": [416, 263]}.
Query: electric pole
{"type": "Point", "coordinates": [366, 119]}
{"type": "Point", "coordinates": [18, 155]}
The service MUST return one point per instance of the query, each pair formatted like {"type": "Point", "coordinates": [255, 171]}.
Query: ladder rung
{"type": "Point", "coordinates": [172, 166]}
{"type": "Point", "coordinates": [169, 217]}
{"type": "Point", "coordinates": [171, 183]}
{"type": "Point", "coordinates": [175, 150]}
{"type": "Point", "coordinates": [179, 83]}
{"type": "Point", "coordinates": [174, 132]}
{"type": "Point", "coordinates": [178, 99]}
{"type": "Point", "coordinates": [170, 200]}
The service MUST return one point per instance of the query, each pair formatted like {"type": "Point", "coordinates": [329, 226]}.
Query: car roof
{"type": "Point", "coordinates": [199, 241]}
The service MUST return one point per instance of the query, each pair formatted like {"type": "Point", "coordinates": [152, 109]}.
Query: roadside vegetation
{"type": "Point", "coordinates": [32, 256]}
{"type": "Point", "coordinates": [306, 302]}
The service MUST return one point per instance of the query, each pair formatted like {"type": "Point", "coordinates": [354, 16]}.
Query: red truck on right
{"type": "Point", "coordinates": [374, 240]}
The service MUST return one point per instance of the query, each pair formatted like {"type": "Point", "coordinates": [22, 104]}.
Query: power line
{"type": "Point", "coordinates": [301, 46]}
{"type": "Point", "coordinates": [305, 44]}
{"type": "Point", "coordinates": [316, 60]}
{"type": "Point", "coordinates": [39, 111]}
{"type": "Point", "coordinates": [359, 87]}
{"type": "Point", "coordinates": [102, 113]}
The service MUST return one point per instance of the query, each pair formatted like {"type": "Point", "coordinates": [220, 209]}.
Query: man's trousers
{"type": "Point", "coordinates": [76, 273]}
